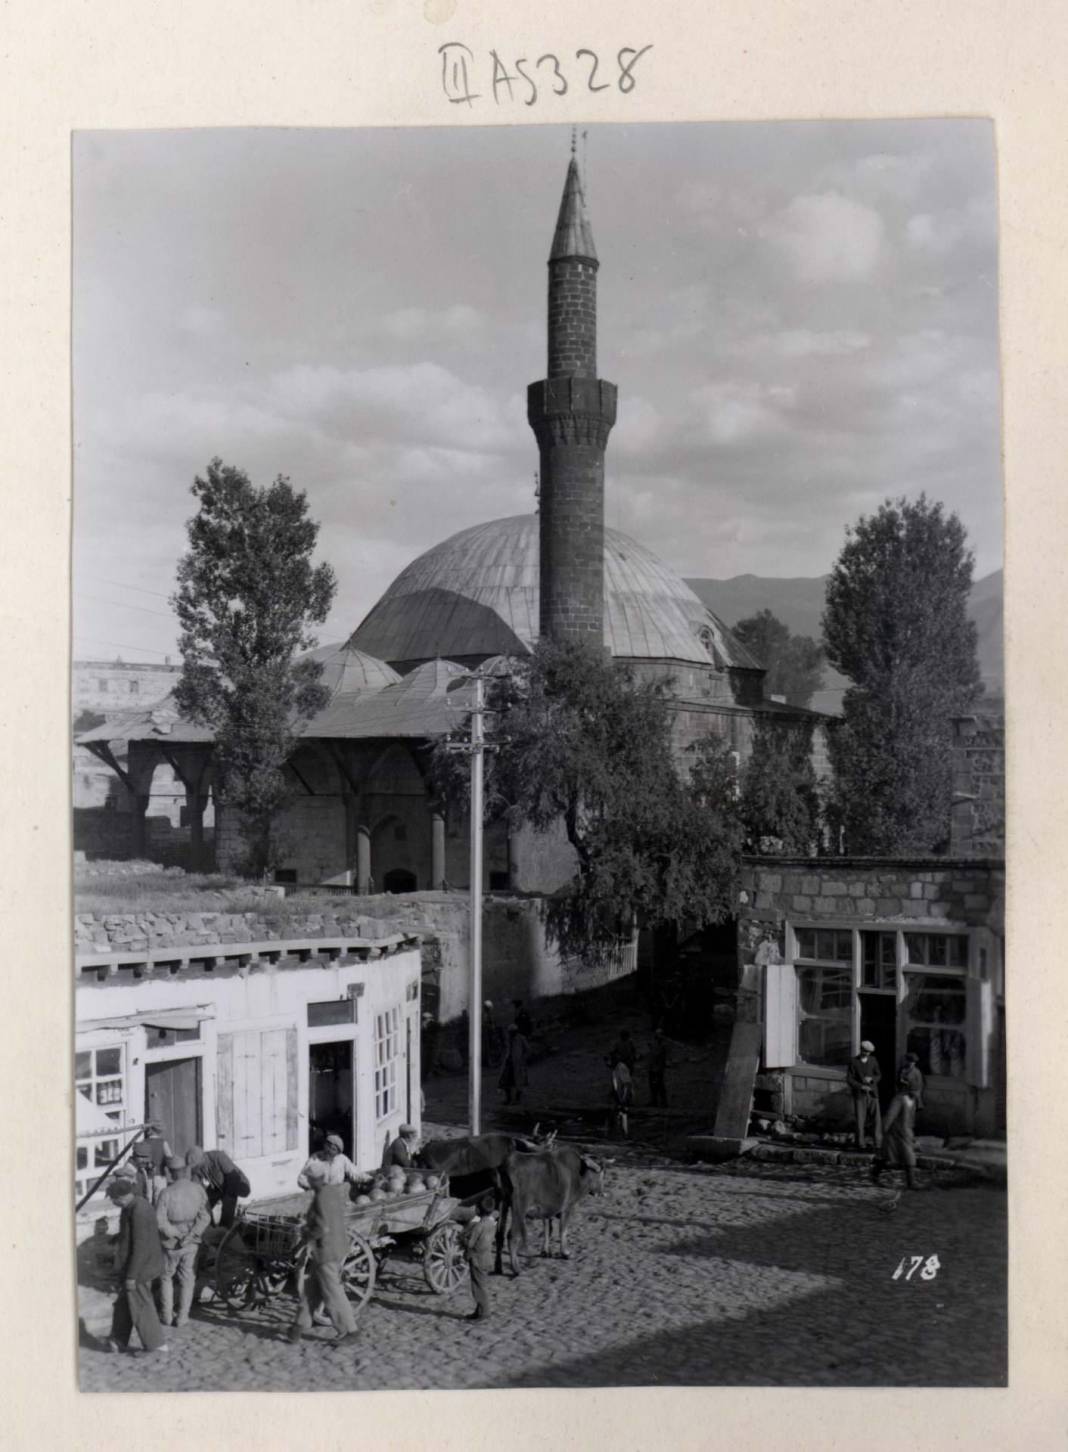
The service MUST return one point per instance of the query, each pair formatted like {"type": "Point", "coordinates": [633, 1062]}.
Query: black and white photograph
{"type": "Point", "coordinates": [538, 720]}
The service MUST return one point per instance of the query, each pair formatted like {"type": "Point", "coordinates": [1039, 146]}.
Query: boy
{"type": "Point", "coordinates": [479, 1242]}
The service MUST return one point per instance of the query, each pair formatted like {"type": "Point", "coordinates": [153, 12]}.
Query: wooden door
{"type": "Point", "coordinates": [172, 1096]}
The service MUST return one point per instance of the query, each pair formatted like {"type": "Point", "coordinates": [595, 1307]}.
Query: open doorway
{"type": "Point", "coordinates": [331, 1101]}
{"type": "Point", "coordinates": [878, 1023]}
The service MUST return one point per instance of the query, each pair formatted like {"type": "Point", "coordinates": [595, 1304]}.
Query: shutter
{"type": "Point", "coordinates": [979, 1028]}
{"type": "Point", "coordinates": [224, 1092]}
{"type": "Point", "coordinates": [780, 1015]}
{"type": "Point", "coordinates": [248, 1138]}
{"type": "Point", "coordinates": [273, 1090]}
{"type": "Point", "coordinates": [291, 1087]}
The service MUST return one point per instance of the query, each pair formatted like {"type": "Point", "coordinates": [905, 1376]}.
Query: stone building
{"type": "Point", "coordinates": [365, 814]}
{"type": "Point", "coordinates": [909, 954]}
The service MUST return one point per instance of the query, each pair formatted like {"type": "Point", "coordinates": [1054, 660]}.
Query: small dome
{"type": "Point", "coordinates": [348, 671]}
{"type": "Point", "coordinates": [476, 595]}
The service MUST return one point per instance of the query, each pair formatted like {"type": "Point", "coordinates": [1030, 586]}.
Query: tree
{"type": "Point", "coordinates": [585, 747]}
{"type": "Point", "coordinates": [794, 663]}
{"type": "Point", "coordinates": [780, 796]}
{"type": "Point", "coordinates": [896, 624]}
{"type": "Point", "coordinates": [247, 596]}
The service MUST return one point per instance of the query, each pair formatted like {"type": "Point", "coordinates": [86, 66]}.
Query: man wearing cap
{"type": "Point", "coordinates": [328, 1166]}
{"type": "Point", "coordinates": [899, 1141]}
{"type": "Point", "coordinates": [402, 1150]}
{"type": "Point", "coordinates": [862, 1076]}
{"type": "Point", "coordinates": [910, 1070]}
{"type": "Point", "coordinates": [183, 1215]}
{"type": "Point", "coordinates": [139, 1259]}
{"type": "Point", "coordinates": [326, 1237]}
{"type": "Point", "coordinates": [150, 1155]}
{"type": "Point", "coordinates": [224, 1182]}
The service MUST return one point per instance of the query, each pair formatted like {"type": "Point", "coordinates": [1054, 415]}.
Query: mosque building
{"type": "Point", "coordinates": [365, 814]}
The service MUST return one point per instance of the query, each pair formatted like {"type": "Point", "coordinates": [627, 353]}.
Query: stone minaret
{"type": "Point", "coordinates": [571, 412]}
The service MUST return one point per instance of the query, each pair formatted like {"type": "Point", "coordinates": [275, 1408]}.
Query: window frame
{"type": "Point", "coordinates": [388, 1027]}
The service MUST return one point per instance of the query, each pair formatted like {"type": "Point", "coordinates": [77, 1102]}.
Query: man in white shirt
{"type": "Point", "coordinates": [328, 1166]}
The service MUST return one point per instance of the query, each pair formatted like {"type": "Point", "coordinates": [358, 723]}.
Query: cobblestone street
{"type": "Point", "coordinates": [760, 1275]}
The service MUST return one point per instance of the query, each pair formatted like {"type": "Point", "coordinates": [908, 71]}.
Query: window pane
{"type": "Point", "coordinates": [806, 942]}
{"type": "Point", "coordinates": [823, 1041]}
{"type": "Point", "coordinates": [106, 1150]}
{"type": "Point", "coordinates": [940, 1051]}
{"type": "Point", "coordinates": [889, 949]}
{"type": "Point", "coordinates": [108, 1061]}
{"type": "Point", "coordinates": [338, 1010]}
{"type": "Point", "coordinates": [109, 1091]}
{"type": "Point", "coordinates": [82, 1158]}
{"type": "Point", "coordinates": [936, 950]}
{"type": "Point", "coordinates": [83, 1065]}
{"type": "Point", "coordinates": [934, 998]}
{"type": "Point", "coordinates": [843, 945]}
{"type": "Point", "coordinates": [916, 947]}
{"type": "Point", "coordinates": [958, 952]}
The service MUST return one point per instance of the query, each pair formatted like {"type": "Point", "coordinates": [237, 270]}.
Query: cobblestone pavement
{"type": "Point", "coordinates": [744, 1275]}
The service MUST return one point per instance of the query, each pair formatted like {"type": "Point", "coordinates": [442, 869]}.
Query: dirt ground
{"type": "Point", "coordinates": [751, 1274]}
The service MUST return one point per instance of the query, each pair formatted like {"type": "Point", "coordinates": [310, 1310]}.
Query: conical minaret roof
{"type": "Point", "coordinates": [573, 236]}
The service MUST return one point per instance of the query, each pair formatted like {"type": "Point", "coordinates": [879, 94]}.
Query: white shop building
{"type": "Point", "coordinates": [256, 1049]}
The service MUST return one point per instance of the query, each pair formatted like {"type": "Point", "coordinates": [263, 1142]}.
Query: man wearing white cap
{"type": "Point", "coordinates": [328, 1166]}
{"type": "Point", "coordinates": [862, 1076]}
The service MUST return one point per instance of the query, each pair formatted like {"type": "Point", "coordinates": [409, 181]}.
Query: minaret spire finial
{"type": "Point", "coordinates": [574, 131]}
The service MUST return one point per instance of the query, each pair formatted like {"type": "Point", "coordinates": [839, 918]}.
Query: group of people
{"type": "Point", "coordinates": [894, 1137]}
{"type": "Point", "coordinates": [167, 1204]}
{"type": "Point", "coordinates": [622, 1060]}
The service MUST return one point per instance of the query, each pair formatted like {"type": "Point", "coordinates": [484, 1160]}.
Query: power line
{"type": "Point", "coordinates": [122, 605]}
{"type": "Point", "coordinates": [117, 645]}
{"type": "Point", "coordinates": [122, 585]}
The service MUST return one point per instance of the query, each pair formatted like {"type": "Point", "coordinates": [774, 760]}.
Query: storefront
{"type": "Point", "coordinates": [257, 1049]}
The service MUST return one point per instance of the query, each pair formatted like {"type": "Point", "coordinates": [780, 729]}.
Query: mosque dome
{"type": "Point", "coordinates": [348, 671]}
{"type": "Point", "coordinates": [476, 595]}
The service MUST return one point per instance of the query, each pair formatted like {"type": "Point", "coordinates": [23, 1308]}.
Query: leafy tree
{"type": "Point", "coordinates": [780, 796]}
{"type": "Point", "coordinates": [583, 745]}
{"type": "Point", "coordinates": [896, 624]}
{"type": "Point", "coordinates": [794, 663]}
{"type": "Point", "coordinates": [247, 596]}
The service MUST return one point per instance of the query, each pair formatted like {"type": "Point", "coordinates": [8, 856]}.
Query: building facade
{"type": "Point", "coordinates": [257, 1049]}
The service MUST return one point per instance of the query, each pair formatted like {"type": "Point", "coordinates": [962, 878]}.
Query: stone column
{"type": "Point", "coordinates": [139, 826]}
{"type": "Point", "coordinates": [437, 851]}
{"type": "Point", "coordinates": [196, 802]}
{"type": "Point", "coordinates": [363, 859]}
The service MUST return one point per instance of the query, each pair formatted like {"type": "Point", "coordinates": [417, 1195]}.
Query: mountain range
{"type": "Point", "coordinates": [798, 603]}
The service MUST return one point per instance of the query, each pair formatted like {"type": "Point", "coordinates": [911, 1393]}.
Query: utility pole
{"type": "Point", "coordinates": [476, 749]}
{"type": "Point", "coordinates": [475, 1023]}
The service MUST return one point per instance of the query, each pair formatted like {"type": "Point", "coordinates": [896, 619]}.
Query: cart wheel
{"type": "Point", "coordinates": [444, 1265]}
{"type": "Point", "coordinates": [358, 1271]}
{"type": "Point", "coordinates": [235, 1273]}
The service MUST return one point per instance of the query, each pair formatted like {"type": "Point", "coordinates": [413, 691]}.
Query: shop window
{"type": "Point", "coordinates": [285, 874]}
{"type": "Point", "coordinates": [163, 1038]}
{"type": "Point", "coordinates": [878, 959]}
{"type": "Point", "coordinates": [135, 688]}
{"type": "Point", "coordinates": [499, 881]}
{"type": "Point", "coordinates": [825, 1014]}
{"type": "Point", "coordinates": [936, 1009]}
{"type": "Point", "coordinates": [825, 945]}
{"type": "Point", "coordinates": [937, 950]}
{"type": "Point", "coordinates": [98, 1075]}
{"type": "Point", "coordinates": [387, 1053]}
{"type": "Point", "coordinates": [335, 1011]}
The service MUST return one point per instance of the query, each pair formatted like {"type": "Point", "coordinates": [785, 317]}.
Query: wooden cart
{"type": "Point", "coordinates": [261, 1256]}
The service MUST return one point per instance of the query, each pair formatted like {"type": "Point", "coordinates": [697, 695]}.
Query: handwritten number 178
{"type": "Point", "coordinates": [931, 1266]}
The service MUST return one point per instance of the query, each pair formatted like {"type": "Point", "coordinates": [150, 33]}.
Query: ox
{"type": "Point", "coordinates": [547, 1183]}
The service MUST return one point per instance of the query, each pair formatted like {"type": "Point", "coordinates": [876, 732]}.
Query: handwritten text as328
{"type": "Point", "coordinates": [529, 79]}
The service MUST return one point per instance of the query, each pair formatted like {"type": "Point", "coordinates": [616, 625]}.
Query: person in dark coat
{"type": "Point", "coordinates": [910, 1070]}
{"type": "Point", "coordinates": [224, 1182]}
{"type": "Point", "coordinates": [139, 1260]}
{"type": "Point", "coordinates": [150, 1155]}
{"type": "Point", "coordinates": [404, 1148]}
{"type": "Point", "coordinates": [479, 1243]}
{"type": "Point", "coordinates": [863, 1075]}
{"type": "Point", "coordinates": [326, 1236]}
{"type": "Point", "coordinates": [522, 1019]}
{"type": "Point", "coordinates": [513, 1077]}
{"type": "Point", "coordinates": [623, 1051]}
{"type": "Point", "coordinates": [899, 1139]}
{"type": "Point", "coordinates": [658, 1063]}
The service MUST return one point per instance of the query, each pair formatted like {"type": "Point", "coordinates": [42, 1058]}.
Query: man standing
{"type": "Point", "coordinates": [513, 1076]}
{"type": "Point", "coordinates": [139, 1259]}
{"type": "Point", "coordinates": [224, 1182]}
{"type": "Point", "coordinates": [658, 1063]}
{"type": "Point", "coordinates": [522, 1019]}
{"type": "Point", "coordinates": [623, 1051]}
{"type": "Point", "coordinates": [183, 1215]}
{"type": "Point", "coordinates": [328, 1166]}
{"type": "Point", "coordinates": [910, 1070]}
{"type": "Point", "coordinates": [862, 1076]}
{"type": "Point", "coordinates": [899, 1141]}
{"type": "Point", "coordinates": [150, 1155]}
{"type": "Point", "coordinates": [479, 1243]}
{"type": "Point", "coordinates": [327, 1239]}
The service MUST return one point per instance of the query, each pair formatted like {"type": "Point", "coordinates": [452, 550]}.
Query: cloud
{"type": "Point", "coordinates": [201, 322]}
{"type": "Point", "coordinates": [734, 413]}
{"type": "Point", "coordinates": [805, 343]}
{"type": "Point", "coordinates": [938, 234]}
{"type": "Point", "coordinates": [424, 325]}
{"type": "Point", "coordinates": [827, 238]}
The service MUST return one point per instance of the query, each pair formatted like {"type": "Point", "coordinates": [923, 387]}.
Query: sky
{"type": "Point", "coordinates": [801, 319]}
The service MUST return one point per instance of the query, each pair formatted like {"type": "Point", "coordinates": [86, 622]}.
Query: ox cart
{"type": "Point", "coordinates": [263, 1256]}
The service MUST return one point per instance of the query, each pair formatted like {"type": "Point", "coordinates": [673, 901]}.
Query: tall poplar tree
{"type": "Point", "coordinates": [248, 595]}
{"type": "Point", "coordinates": [896, 624]}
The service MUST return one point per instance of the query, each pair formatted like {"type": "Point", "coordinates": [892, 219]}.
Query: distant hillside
{"type": "Point", "coordinates": [798, 603]}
